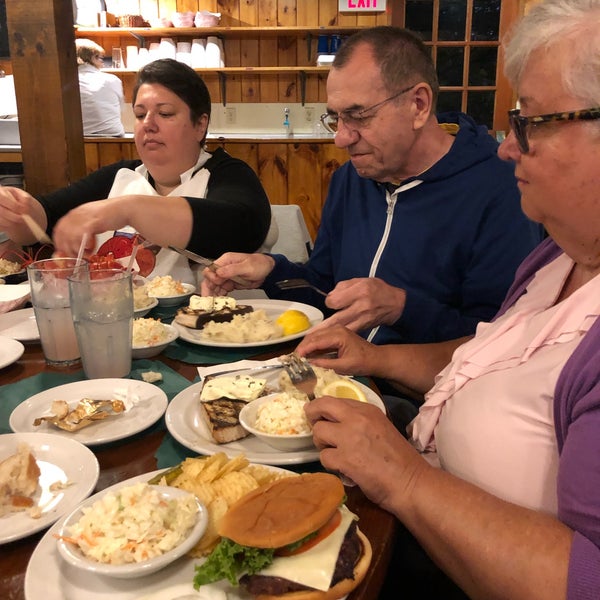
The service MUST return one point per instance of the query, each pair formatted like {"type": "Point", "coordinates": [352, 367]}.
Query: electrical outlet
{"type": "Point", "coordinates": [309, 114]}
{"type": "Point", "coordinates": [230, 116]}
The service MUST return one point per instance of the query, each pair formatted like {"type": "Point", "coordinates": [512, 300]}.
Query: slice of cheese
{"type": "Point", "coordinates": [240, 387]}
{"type": "Point", "coordinates": [314, 567]}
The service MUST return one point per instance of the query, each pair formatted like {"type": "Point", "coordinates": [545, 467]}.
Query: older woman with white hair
{"type": "Point", "coordinates": [514, 417]}
{"type": "Point", "coordinates": [101, 93]}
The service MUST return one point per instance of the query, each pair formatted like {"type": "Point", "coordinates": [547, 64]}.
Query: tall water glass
{"type": "Point", "coordinates": [52, 308]}
{"type": "Point", "coordinates": [102, 305]}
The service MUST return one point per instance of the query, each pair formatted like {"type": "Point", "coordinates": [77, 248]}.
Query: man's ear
{"type": "Point", "coordinates": [422, 98]}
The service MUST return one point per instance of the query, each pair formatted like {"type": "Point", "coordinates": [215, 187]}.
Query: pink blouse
{"type": "Point", "coordinates": [481, 415]}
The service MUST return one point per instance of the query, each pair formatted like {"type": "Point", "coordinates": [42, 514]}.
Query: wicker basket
{"type": "Point", "coordinates": [131, 21]}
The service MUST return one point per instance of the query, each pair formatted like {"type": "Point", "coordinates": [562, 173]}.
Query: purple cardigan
{"type": "Point", "coordinates": [577, 426]}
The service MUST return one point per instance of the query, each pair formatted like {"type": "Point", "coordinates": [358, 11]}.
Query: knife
{"type": "Point", "coordinates": [206, 262]}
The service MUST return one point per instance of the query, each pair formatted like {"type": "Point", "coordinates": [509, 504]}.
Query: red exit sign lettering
{"type": "Point", "coordinates": [362, 5]}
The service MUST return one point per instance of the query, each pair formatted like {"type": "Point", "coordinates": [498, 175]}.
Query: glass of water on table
{"type": "Point", "coordinates": [48, 280]}
{"type": "Point", "coordinates": [102, 307]}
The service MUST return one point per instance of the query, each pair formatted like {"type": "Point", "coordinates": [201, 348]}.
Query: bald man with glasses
{"type": "Point", "coordinates": [422, 230]}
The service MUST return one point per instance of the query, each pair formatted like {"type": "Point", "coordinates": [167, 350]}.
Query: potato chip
{"type": "Point", "coordinates": [219, 482]}
{"type": "Point", "coordinates": [211, 467]}
{"type": "Point", "coordinates": [234, 485]}
{"type": "Point", "coordinates": [264, 475]}
{"type": "Point", "coordinates": [216, 509]}
{"type": "Point", "coordinates": [235, 464]}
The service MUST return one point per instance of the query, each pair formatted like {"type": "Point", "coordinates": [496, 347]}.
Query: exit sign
{"type": "Point", "coordinates": [362, 5]}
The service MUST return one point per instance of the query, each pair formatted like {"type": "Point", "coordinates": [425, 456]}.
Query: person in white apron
{"type": "Point", "coordinates": [178, 194]}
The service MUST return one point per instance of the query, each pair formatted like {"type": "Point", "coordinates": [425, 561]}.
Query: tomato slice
{"type": "Point", "coordinates": [312, 541]}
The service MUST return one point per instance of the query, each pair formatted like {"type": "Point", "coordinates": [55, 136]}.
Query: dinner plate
{"type": "Point", "coordinates": [273, 308]}
{"type": "Point", "coordinates": [148, 401]}
{"type": "Point", "coordinates": [48, 577]}
{"type": "Point", "coordinates": [11, 292]}
{"type": "Point", "coordinates": [187, 427]}
{"type": "Point", "coordinates": [20, 325]}
{"type": "Point", "coordinates": [59, 459]}
{"type": "Point", "coordinates": [10, 351]}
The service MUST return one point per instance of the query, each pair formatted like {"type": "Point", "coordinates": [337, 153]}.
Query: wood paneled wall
{"type": "Point", "coordinates": [255, 51]}
{"type": "Point", "coordinates": [291, 172]}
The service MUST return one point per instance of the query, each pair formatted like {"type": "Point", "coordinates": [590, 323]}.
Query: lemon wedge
{"type": "Point", "coordinates": [343, 388]}
{"type": "Point", "coordinates": [293, 321]}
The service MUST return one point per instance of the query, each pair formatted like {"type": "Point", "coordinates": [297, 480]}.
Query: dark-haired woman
{"type": "Point", "coordinates": [177, 194]}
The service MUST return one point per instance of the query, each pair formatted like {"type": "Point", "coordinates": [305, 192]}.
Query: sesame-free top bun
{"type": "Point", "coordinates": [340, 589]}
{"type": "Point", "coordinates": [284, 511]}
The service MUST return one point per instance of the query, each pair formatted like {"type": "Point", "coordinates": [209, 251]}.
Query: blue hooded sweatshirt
{"type": "Point", "coordinates": [452, 237]}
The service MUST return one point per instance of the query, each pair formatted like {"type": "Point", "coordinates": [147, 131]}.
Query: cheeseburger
{"type": "Point", "coordinates": [291, 539]}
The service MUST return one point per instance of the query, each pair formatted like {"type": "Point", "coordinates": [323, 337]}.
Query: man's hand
{"type": "Point", "coordinates": [365, 302]}
{"type": "Point", "coordinates": [253, 268]}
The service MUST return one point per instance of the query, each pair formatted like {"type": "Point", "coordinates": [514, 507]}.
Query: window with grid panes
{"type": "Point", "coordinates": [464, 37]}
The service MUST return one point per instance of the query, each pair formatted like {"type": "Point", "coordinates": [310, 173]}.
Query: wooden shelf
{"type": "Point", "coordinates": [141, 34]}
{"type": "Point", "coordinates": [241, 32]}
{"type": "Point", "coordinates": [244, 70]}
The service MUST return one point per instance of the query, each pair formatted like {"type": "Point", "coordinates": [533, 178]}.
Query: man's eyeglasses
{"type": "Point", "coordinates": [355, 119]}
{"type": "Point", "coordinates": [520, 125]}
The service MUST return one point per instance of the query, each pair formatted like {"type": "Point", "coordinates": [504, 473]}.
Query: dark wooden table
{"type": "Point", "coordinates": [136, 456]}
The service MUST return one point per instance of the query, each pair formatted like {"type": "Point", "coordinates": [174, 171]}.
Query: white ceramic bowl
{"type": "Point", "coordinates": [285, 443]}
{"type": "Point", "coordinates": [150, 351]}
{"type": "Point", "coordinates": [142, 312]}
{"type": "Point", "coordinates": [175, 300]}
{"type": "Point", "coordinates": [73, 555]}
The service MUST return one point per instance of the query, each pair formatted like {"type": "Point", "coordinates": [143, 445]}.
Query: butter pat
{"type": "Point", "coordinates": [239, 387]}
{"type": "Point", "coordinates": [211, 303]}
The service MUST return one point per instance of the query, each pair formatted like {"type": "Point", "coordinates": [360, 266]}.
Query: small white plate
{"type": "Point", "coordinates": [151, 403]}
{"type": "Point", "coordinates": [175, 300]}
{"type": "Point", "coordinates": [150, 351]}
{"type": "Point", "coordinates": [61, 460]}
{"type": "Point", "coordinates": [188, 428]}
{"type": "Point", "coordinates": [50, 578]}
{"type": "Point", "coordinates": [142, 312]}
{"type": "Point", "coordinates": [11, 292]}
{"type": "Point", "coordinates": [75, 557]}
{"type": "Point", "coordinates": [10, 351]}
{"type": "Point", "coordinates": [20, 325]}
{"type": "Point", "coordinates": [273, 308]}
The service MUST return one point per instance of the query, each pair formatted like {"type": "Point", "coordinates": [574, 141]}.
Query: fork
{"type": "Point", "coordinates": [292, 284]}
{"type": "Point", "coordinates": [304, 379]}
{"type": "Point", "coordinates": [301, 373]}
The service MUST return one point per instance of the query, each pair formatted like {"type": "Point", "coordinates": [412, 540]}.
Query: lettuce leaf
{"type": "Point", "coordinates": [229, 561]}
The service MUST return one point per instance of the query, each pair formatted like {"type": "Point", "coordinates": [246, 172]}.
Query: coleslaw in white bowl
{"type": "Point", "coordinates": [133, 531]}
{"type": "Point", "coordinates": [279, 421]}
{"type": "Point", "coordinates": [151, 337]}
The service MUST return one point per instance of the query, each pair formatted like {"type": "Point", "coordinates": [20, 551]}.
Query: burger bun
{"type": "Point", "coordinates": [284, 511]}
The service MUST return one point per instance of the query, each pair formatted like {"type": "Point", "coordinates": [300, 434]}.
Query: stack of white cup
{"type": "Point", "coordinates": [132, 58]}
{"type": "Point", "coordinates": [184, 53]}
{"type": "Point", "coordinates": [167, 48]}
{"type": "Point", "coordinates": [214, 53]}
{"type": "Point", "coordinates": [198, 54]}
